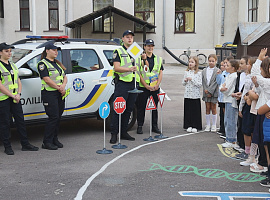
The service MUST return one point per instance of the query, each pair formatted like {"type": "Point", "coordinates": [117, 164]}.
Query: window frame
{"type": "Point", "coordinates": [49, 18]}
{"type": "Point", "coordinates": [144, 13]}
{"type": "Point", "coordinates": [252, 10]}
{"type": "Point", "coordinates": [21, 9]}
{"type": "Point", "coordinates": [184, 21]}
{"type": "Point", "coordinates": [1, 8]}
{"type": "Point", "coordinates": [103, 18]}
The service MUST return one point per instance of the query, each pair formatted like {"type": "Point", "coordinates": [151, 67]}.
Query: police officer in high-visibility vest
{"type": "Point", "coordinates": [10, 105]}
{"type": "Point", "coordinates": [150, 78]}
{"type": "Point", "coordinates": [125, 68]}
{"type": "Point", "coordinates": [53, 80]}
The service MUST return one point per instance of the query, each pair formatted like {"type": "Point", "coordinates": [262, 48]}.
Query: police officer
{"type": "Point", "coordinates": [10, 105]}
{"type": "Point", "coordinates": [53, 80]}
{"type": "Point", "coordinates": [124, 68]}
{"type": "Point", "coordinates": [150, 78]}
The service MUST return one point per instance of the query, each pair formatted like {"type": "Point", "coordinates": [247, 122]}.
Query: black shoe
{"type": "Point", "coordinates": [9, 151]}
{"type": "Point", "coordinates": [264, 174]}
{"type": "Point", "coordinates": [155, 129]}
{"type": "Point", "coordinates": [29, 147]}
{"type": "Point", "coordinates": [126, 136]}
{"type": "Point", "coordinates": [139, 130]}
{"type": "Point", "coordinates": [58, 144]}
{"type": "Point", "coordinates": [49, 146]}
{"type": "Point", "coordinates": [113, 139]}
{"type": "Point", "coordinates": [265, 182]}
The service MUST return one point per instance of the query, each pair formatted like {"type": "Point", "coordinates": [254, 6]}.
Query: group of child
{"type": "Point", "coordinates": [242, 90]}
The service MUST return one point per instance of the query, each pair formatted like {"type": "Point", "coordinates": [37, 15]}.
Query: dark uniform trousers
{"type": "Point", "coordinates": [54, 108]}
{"type": "Point", "coordinates": [121, 90]}
{"type": "Point", "coordinates": [141, 105]}
{"type": "Point", "coordinates": [7, 109]}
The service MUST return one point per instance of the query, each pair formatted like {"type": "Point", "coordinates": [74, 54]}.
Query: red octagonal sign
{"type": "Point", "coordinates": [119, 105]}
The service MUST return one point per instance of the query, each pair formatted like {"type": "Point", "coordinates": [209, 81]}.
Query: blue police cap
{"type": "Point", "coordinates": [5, 46]}
{"type": "Point", "coordinates": [51, 46]}
{"type": "Point", "coordinates": [149, 42]}
{"type": "Point", "coordinates": [127, 32]}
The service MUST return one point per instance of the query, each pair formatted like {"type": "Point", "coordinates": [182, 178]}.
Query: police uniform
{"type": "Point", "coordinates": [124, 82]}
{"type": "Point", "coordinates": [52, 101]}
{"type": "Point", "coordinates": [155, 65]}
{"type": "Point", "coordinates": [8, 108]}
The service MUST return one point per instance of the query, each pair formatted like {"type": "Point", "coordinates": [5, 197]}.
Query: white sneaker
{"type": "Point", "coordinates": [189, 129]}
{"type": "Point", "coordinates": [213, 128]}
{"type": "Point", "coordinates": [228, 145]}
{"type": "Point", "coordinates": [207, 128]}
{"type": "Point", "coordinates": [238, 148]}
{"type": "Point", "coordinates": [194, 130]}
{"type": "Point", "coordinates": [247, 162]}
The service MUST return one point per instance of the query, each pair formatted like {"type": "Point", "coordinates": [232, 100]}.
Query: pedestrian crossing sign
{"type": "Point", "coordinates": [135, 50]}
{"type": "Point", "coordinates": [151, 104]}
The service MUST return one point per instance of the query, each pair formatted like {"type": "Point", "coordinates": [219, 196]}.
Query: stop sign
{"type": "Point", "coordinates": [119, 105]}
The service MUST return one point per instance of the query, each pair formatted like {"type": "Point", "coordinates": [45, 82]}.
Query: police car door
{"type": "Point", "coordinates": [87, 82]}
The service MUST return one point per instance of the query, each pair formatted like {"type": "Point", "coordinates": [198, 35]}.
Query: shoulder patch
{"type": "Point", "coordinates": [41, 67]}
{"type": "Point", "coordinates": [114, 55]}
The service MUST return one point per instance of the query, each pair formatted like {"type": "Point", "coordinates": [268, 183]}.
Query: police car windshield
{"type": "Point", "coordinates": [18, 54]}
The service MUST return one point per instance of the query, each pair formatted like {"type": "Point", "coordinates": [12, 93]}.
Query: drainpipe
{"type": "Point", "coordinates": [34, 22]}
{"type": "Point", "coordinates": [163, 31]}
{"type": "Point", "coordinates": [66, 16]}
{"type": "Point", "coordinates": [222, 17]}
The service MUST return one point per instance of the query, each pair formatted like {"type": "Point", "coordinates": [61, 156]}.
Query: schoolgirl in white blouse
{"type": "Point", "coordinates": [192, 104]}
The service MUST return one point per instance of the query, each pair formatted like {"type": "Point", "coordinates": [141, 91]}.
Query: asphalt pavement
{"type": "Point", "coordinates": [184, 166]}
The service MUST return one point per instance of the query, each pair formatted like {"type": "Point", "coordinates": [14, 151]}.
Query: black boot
{"type": "Point", "coordinates": [155, 129]}
{"type": "Point", "coordinates": [126, 136]}
{"type": "Point", "coordinates": [113, 139]}
{"type": "Point", "coordinates": [139, 130]}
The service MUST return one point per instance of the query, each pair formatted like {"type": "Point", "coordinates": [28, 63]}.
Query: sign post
{"type": "Point", "coordinates": [135, 51]}
{"type": "Point", "coordinates": [161, 98]}
{"type": "Point", "coordinates": [104, 111]}
{"type": "Point", "coordinates": [119, 106]}
{"type": "Point", "coordinates": [150, 106]}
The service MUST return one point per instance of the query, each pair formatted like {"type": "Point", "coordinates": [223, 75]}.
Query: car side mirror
{"type": "Point", "coordinates": [23, 72]}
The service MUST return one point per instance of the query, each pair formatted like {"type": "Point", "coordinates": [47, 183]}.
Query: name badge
{"type": "Point", "coordinates": [5, 73]}
{"type": "Point", "coordinates": [52, 69]}
{"type": "Point", "coordinates": [124, 55]}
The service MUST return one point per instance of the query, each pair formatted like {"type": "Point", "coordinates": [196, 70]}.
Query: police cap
{"type": "Point", "coordinates": [127, 32]}
{"type": "Point", "coordinates": [51, 46]}
{"type": "Point", "coordinates": [149, 42]}
{"type": "Point", "coordinates": [5, 46]}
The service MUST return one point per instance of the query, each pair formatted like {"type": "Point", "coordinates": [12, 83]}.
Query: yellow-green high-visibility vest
{"type": "Point", "coordinates": [53, 74]}
{"type": "Point", "coordinates": [7, 82]}
{"type": "Point", "coordinates": [155, 70]}
{"type": "Point", "coordinates": [126, 62]}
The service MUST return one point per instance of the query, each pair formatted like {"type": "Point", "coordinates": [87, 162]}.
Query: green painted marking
{"type": "Point", "coordinates": [208, 173]}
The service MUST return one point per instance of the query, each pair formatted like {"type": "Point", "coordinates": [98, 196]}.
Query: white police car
{"type": "Point", "coordinates": [89, 73]}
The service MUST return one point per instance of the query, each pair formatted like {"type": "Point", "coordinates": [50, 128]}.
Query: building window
{"type": "Point", "coordinates": [102, 23]}
{"type": "Point", "coordinates": [144, 10]}
{"type": "Point", "coordinates": [53, 15]}
{"type": "Point", "coordinates": [185, 16]}
{"type": "Point", "coordinates": [1, 9]}
{"type": "Point", "coordinates": [252, 10]}
{"type": "Point", "coordinates": [24, 15]}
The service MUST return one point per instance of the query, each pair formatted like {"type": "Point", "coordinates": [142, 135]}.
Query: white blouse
{"type": "Point", "coordinates": [209, 73]}
{"type": "Point", "coordinates": [248, 86]}
{"type": "Point", "coordinates": [264, 84]}
{"type": "Point", "coordinates": [230, 82]}
{"type": "Point", "coordinates": [192, 90]}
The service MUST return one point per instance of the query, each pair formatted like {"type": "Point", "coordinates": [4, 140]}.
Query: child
{"type": "Point", "coordinates": [248, 119]}
{"type": "Point", "coordinates": [192, 103]}
{"type": "Point", "coordinates": [231, 111]}
{"type": "Point", "coordinates": [221, 75]}
{"type": "Point", "coordinates": [210, 92]}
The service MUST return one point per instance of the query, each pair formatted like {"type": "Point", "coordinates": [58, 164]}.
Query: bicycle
{"type": "Point", "coordinates": [186, 55]}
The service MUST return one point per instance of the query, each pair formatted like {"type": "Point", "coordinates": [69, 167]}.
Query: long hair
{"type": "Point", "coordinates": [265, 67]}
{"type": "Point", "coordinates": [235, 64]}
{"type": "Point", "coordinates": [195, 58]}
{"type": "Point", "coordinates": [44, 55]}
{"type": "Point", "coordinates": [251, 61]}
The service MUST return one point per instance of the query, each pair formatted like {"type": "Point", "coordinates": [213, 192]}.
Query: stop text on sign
{"type": "Point", "coordinates": [119, 105]}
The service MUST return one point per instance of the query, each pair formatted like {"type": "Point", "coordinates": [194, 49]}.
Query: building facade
{"type": "Point", "coordinates": [179, 23]}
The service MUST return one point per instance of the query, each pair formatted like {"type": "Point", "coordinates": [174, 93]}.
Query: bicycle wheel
{"type": "Point", "coordinates": [184, 57]}
{"type": "Point", "coordinates": [202, 58]}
